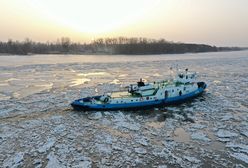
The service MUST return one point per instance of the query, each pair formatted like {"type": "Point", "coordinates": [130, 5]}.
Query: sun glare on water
{"type": "Point", "coordinates": [94, 16]}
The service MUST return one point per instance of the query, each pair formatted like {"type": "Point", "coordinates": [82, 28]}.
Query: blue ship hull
{"type": "Point", "coordinates": [77, 105]}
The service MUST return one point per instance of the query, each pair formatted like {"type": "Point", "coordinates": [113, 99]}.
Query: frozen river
{"type": "Point", "coordinates": [38, 128]}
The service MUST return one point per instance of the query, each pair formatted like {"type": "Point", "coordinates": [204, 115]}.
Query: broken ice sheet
{"type": "Point", "coordinates": [200, 136]}
{"type": "Point", "coordinates": [111, 138]}
{"type": "Point", "coordinates": [240, 156]}
{"type": "Point", "coordinates": [53, 161]}
{"type": "Point", "coordinates": [225, 134]}
{"type": "Point", "coordinates": [50, 142]}
{"type": "Point", "coordinates": [15, 161]}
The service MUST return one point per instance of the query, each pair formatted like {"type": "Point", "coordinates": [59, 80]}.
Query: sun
{"type": "Point", "coordinates": [93, 16]}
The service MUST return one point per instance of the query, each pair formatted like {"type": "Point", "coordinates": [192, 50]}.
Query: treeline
{"type": "Point", "coordinates": [63, 45]}
{"type": "Point", "coordinates": [120, 45]}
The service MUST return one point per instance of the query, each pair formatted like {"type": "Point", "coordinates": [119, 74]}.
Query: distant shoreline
{"type": "Point", "coordinates": [108, 46]}
{"type": "Point", "coordinates": [100, 54]}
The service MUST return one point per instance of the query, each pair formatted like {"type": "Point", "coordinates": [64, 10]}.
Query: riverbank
{"type": "Point", "coordinates": [108, 46]}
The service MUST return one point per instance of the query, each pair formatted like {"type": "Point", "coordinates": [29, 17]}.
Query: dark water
{"type": "Point", "coordinates": [38, 127]}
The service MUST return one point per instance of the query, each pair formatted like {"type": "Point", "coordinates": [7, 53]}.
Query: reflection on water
{"type": "Point", "coordinates": [217, 81]}
{"type": "Point", "coordinates": [115, 81]}
{"type": "Point", "coordinates": [4, 97]}
{"type": "Point", "coordinates": [123, 75]}
{"type": "Point", "coordinates": [93, 74]}
{"type": "Point", "coordinates": [4, 84]}
{"type": "Point", "coordinates": [11, 79]}
{"type": "Point", "coordinates": [79, 82]}
{"type": "Point", "coordinates": [32, 89]}
{"type": "Point", "coordinates": [156, 74]}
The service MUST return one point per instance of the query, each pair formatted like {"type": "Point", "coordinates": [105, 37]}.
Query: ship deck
{"type": "Point", "coordinates": [123, 94]}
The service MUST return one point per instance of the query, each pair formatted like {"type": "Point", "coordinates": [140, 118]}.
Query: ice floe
{"type": "Point", "coordinates": [53, 161]}
{"type": "Point", "coordinates": [50, 142]}
{"type": "Point", "coordinates": [95, 116]}
{"type": "Point", "coordinates": [225, 134]}
{"type": "Point", "coordinates": [140, 151]}
{"type": "Point", "coordinates": [200, 136]}
{"type": "Point", "coordinates": [240, 156]}
{"type": "Point", "coordinates": [15, 161]}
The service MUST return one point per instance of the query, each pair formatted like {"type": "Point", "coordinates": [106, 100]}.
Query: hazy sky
{"type": "Point", "coordinates": [215, 22]}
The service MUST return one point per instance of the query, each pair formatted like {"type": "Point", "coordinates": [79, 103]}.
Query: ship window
{"type": "Point", "coordinates": [186, 76]}
{"type": "Point", "coordinates": [136, 99]}
{"type": "Point", "coordinates": [116, 101]}
{"type": "Point", "coordinates": [184, 88]}
{"type": "Point", "coordinates": [151, 98]}
{"type": "Point", "coordinates": [131, 100]}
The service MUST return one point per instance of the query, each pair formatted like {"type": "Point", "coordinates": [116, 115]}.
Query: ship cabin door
{"type": "Point", "coordinates": [166, 94]}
